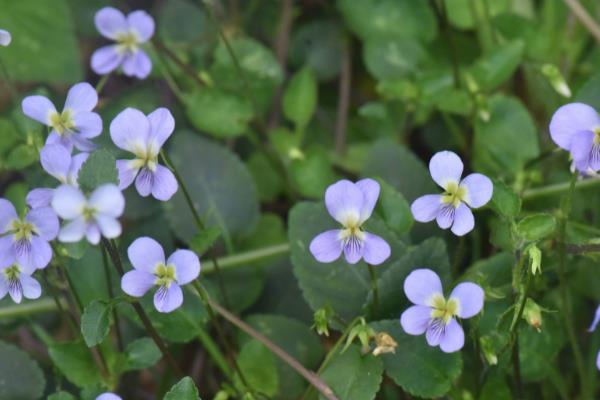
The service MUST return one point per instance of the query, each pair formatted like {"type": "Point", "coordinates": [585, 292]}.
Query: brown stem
{"type": "Point", "coordinates": [582, 248]}
{"type": "Point", "coordinates": [116, 259]}
{"type": "Point", "coordinates": [586, 20]}
{"type": "Point", "coordinates": [341, 120]}
{"type": "Point", "coordinates": [310, 376]}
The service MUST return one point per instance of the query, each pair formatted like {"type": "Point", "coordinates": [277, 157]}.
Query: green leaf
{"type": "Point", "coordinates": [16, 193]}
{"type": "Point", "coordinates": [264, 379]}
{"type": "Point", "coordinates": [536, 227]}
{"type": "Point", "coordinates": [300, 98]}
{"type": "Point", "coordinates": [495, 67]}
{"type": "Point", "coordinates": [141, 353]}
{"type": "Point", "coordinates": [62, 395]}
{"type": "Point", "coordinates": [219, 183]}
{"type": "Point", "coordinates": [268, 181]}
{"type": "Point", "coordinates": [22, 378]}
{"type": "Point", "coordinates": [420, 369]}
{"type": "Point", "coordinates": [460, 11]}
{"type": "Point", "coordinates": [100, 168]}
{"type": "Point", "coordinates": [590, 92]}
{"type": "Point", "coordinates": [389, 18]}
{"type": "Point", "coordinates": [313, 173]}
{"type": "Point", "coordinates": [494, 149]}
{"type": "Point", "coordinates": [399, 167]}
{"type": "Point", "coordinates": [394, 209]}
{"type": "Point", "coordinates": [75, 362]}
{"type": "Point", "coordinates": [29, 23]}
{"type": "Point", "coordinates": [297, 340]}
{"type": "Point", "coordinates": [219, 113]}
{"type": "Point", "coordinates": [354, 376]}
{"type": "Point", "coordinates": [392, 58]}
{"type": "Point", "coordinates": [205, 239]}
{"type": "Point", "coordinates": [21, 156]}
{"type": "Point", "coordinates": [505, 201]}
{"type": "Point", "coordinates": [95, 322]}
{"type": "Point", "coordinates": [185, 389]}
{"type": "Point", "coordinates": [537, 350]}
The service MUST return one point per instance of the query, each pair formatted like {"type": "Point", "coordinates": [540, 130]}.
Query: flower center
{"type": "Point", "coordinates": [62, 122]}
{"type": "Point", "coordinates": [165, 275]}
{"type": "Point", "coordinates": [443, 309]}
{"type": "Point", "coordinates": [89, 213]}
{"type": "Point", "coordinates": [22, 230]}
{"type": "Point", "coordinates": [454, 194]}
{"type": "Point", "coordinates": [127, 42]}
{"type": "Point", "coordinates": [12, 273]}
{"type": "Point", "coordinates": [146, 157]}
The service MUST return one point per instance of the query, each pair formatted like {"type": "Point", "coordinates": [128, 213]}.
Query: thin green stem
{"type": "Point", "coordinates": [169, 79]}
{"type": "Point", "coordinates": [30, 308]}
{"type": "Point", "coordinates": [375, 289]}
{"type": "Point", "coordinates": [112, 296]}
{"type": "Point", "coordinates": [558, 188]}
{"type": "Point", "coordinates": [116, 259]}
{"type": "Point", "coordinates": [101, 83]}
{"type": "Point", "coordinates": [71, 321]}
{"type": "Point", "coordinates": [11, 85]}
{"type": "Point", "coordinates": [246, 258]}
{"type": "Point", "coordinates": [189, 71]}
{"type": "Point", "coordinates": [565, 294]}
{"type": "Point", "coordinates": [215, 353]}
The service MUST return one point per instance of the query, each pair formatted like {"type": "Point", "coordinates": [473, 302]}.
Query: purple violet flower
{"type": "Point", "coordinates": [575, 127]}
{"type": "Point", "coordinates": [5, 38]}
{"type": "Point", "coordinates": [350, 204]}
{"type": "Point", "coordinates": [108, 396]}
{"type": "Point", "coordinates": [435, 316]}
{"type": "Point", "coordinates": [91, 217]}
{"type": "Point", "coordinates": [150, 269]}
{"type": "Point", "coordinates": [144, 136]}
{"type": "Point", "coordinates": [76, 124]}
{"type": "Point", "coordinates": [592, 328]}
{"type": "Point", "coordinates": [56, 161]}
{"type": "Point", "coordinates": [25, 241]}
{"type": "Point", "coordinates": [451, 208]}
{"type": "Point", "coordinates": [17, 281]}
{"type": "Point", "coordinates": [128, 33]}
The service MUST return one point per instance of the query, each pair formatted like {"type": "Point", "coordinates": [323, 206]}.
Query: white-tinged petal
{"type": "Point", "coordinates": [108, 199]}
{"type": "Point", "coordinates": [68, 202]}
{"type": "Point", "coordinates": [445, 167]}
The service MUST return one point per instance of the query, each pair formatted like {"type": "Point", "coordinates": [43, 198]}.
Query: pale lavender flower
{"type": "Point", "coordinates": [144, 136]}
{"type": "Point", "coordinates": [25, 241]}
{"type": "Point", "coordinates": [93, 217]}
{"type": "Point", "coordinates": [575, 127]}
{"type": "Point", "coordinates": [592, 328]}
{"type": "Point", "coordinates": [58, 162]}
{"type": "Point", "coordinates": [17, 281]}
{"type": "Point", "coordinates": [76, 124]}
{"type": "Point", "coordinates": [350, 204]}
{"type": "Point", "coordinates": [108, 396]}
{"type": "Point", "coordinates": [435, 316]}
{"type": "Point", "coordinates": [150, 269]}
{"type": "Point", "coordinates": [453, 207]}
{"type": "Point", "coordinates": [5, 38]}
{"type": "Point", "coordinates": [129, 33]}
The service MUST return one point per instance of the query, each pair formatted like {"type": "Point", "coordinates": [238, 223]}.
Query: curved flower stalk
{"type": "Point", "coordinates": [129, 33]}
{"type": "Point", "coordinates": [25, 240]}
{"type": "Point", "coordinates": [453, 207]}
{"type": "Point", "coordinates": [144, 136]}
{"type": "Point", "coordinates": [435, 315]}
{"type": "Point", "coordinates": [575, 127]}
{"type": "Point", "coordinates": [150, 269]}
{"type": "Point", "coordinates": [592, 328]}
{"type": "Point", "coordinates": [93, 217]}
{"type": "Point", "coordinates": [58, 163]}
{"type": "Point", "coordinates": [5, 38]}
{"type": "Point", "coordinates": [75, 125]}
{"type": "Point", "coordinates": [17, 282]}
{"type": "Point", "coordinates": [350, 204]}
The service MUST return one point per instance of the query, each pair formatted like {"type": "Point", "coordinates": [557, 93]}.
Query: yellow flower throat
{"type": "Point", "coordinates": [454, 194]}
{"type": "Point", "coordinates": [444, 309]}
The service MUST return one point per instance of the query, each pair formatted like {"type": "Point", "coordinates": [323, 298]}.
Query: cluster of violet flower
{"type": "Point", "coordinates": [25, 240]}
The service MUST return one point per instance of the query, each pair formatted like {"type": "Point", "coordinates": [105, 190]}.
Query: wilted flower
{"type": "Point", "coordinates": [532, 313]}
{"type": "Point", "coordinates": [150, 269]}
{"type": "Point", "coordinates": [17, 281]}
{"type": "Point", "coordinates": [592, 328]}
{"type": "Point", "coordinates": [384, 344]}
{"type": "Point", "coordinates": [128, 33]}
{"type": "Point", "coordinates": [350, 204]}
{"type": "Point", "coordinates": [144, 136]}
{"type": "Point", "coordinates": [89, 217]}
{"type": "Point", "coordinates": [451, 208]}
{"type": "Point", "coordinates": [5, 37]}
{"type": "Point", "coordinates": [575, 127]}
{"type": "Point", "coordinates": [76, 124]}
{"type": "Point", "coordinates": [56, 161]}
{"type": "Point", "coordinates": [435, 316]}
{"type": "Point", "coordinates": [25, 241]}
